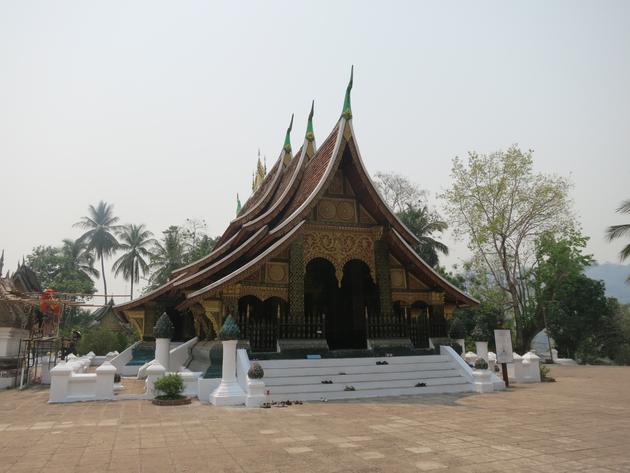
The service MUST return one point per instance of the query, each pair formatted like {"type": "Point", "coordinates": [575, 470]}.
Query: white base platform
{"type": "Point", "coordinates": [302, 379]}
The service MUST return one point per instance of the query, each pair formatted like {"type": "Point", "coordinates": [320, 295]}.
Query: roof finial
{"type": "Point", "coordinates": [347, 109]}
{"type": "Point", "coordinates": [287, 138]}
{"type": "Point", "coordinates": [238, 204]}
{"type": "Point", "coordinates": [310, 136]}
{"type": "Point", "coordinates": [1, 262]}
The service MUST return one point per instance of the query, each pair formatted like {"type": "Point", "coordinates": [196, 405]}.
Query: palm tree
{"type": "Point", "coordinates": [167, 256]}
{"type": "Point", "coordinates": [617, 231]}
{"type": "Point", "coordinates": [423, 224]}
{"type": "Point", "coordinates": [99, 237]}
{"type": "Point", "coordinates": [134, 241]}
{"type": "Point", "coordinates": [75, 252]}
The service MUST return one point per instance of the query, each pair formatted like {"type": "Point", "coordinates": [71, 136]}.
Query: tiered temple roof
{"type": "Point", "coordinates": [280, 206]}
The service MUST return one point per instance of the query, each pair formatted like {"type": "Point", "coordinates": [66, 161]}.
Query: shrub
{"type": "Point", "coordinates": [544, 373]}
{"type": "Point", "coordinates": [479, 334]}
{"type": "Point", "coordinates": [481, 364]}
{"type": "Point", "coordinates": [256, 371]}
{"type": "Point", "coordinates": [101, 341]}
{"type": "Point", "coordinates": [171, 385]}
{"type": "Point", "coordinates": [457, 329]}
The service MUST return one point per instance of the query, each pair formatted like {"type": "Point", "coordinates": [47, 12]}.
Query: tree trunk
{"type": "Point", "coordinates": [103, 273]}
{"type": "Point", "coordinates": [132, 277]}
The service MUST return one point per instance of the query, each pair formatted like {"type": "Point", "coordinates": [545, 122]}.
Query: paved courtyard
{"type": "Point", "coordinates": [580, 423]}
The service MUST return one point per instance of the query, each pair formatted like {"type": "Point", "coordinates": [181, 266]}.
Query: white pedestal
{"type": "Point", "coordinates": [482, 350]}
{"type": "Point", "coordinates": [255, 393]}
{"type": "Point", "coordinates": [483, 381]}
{"type": "Point", "coordinates": [229, 393]}
{"type": "Point", "coordinates": [163, 352]}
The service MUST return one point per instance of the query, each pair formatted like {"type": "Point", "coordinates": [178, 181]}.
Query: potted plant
{"type": "Point", "coordinates": [229, 392]}
{"type": "Point", "coordinates": [163, 332]}
{"type": "Point", "coordinates": [255, 386]}
{"type": "Point", "coordinates": [482, 376]}
{"type": "Point", "coordinates": [481, 338]}
{"type": "Point", "coordinates": [171, 386]}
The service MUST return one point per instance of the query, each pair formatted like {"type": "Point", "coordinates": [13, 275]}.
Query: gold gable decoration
{"type": "Point", "coordinates": [136, 317]}
{"type": "Point", "coordinates": [340, 245]}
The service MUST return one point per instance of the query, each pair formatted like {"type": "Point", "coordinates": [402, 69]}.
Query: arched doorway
{"type": "Point", "coordinates": [321, 293]}
{"type": "Point", "coordinates": [343, 308]}
{"type": "Point", "coordinates": [358, 302]}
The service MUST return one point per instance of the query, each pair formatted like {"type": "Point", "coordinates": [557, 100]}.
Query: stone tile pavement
{"type": "Point", "coordinates": [580, 423]}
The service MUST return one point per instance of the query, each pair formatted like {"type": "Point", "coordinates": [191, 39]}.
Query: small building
{"type": "Point", "coordinates": [314, 260]}
{"type": "Point", "coordinates": [108, 318]}
{"type": "Point", "coordinates": [17, 318]}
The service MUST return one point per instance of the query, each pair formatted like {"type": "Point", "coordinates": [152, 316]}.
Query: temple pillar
{"type": "Point", "coordinates": [296, 280]}
{"type": "Point", "coordinates": [381, 260]}
{"type": "Point", "coordinates": [203, 328]}
{"type": "Point", "coordinates": [437, 321]}
{"type": "Point", "coordinates": [212, 311]}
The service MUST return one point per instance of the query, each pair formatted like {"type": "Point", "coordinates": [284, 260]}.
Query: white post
{"type": "Point", "coordinates": [482, 350]}
{"type": "Point", "coordinates": [154, 372]}
{"type": "Point", "coordinates": [59, 379]}
{"type": "Point", "coordinates": [105, 381]}
{"type": "Point", "coordinates": [229, 393]}
{"type": "Point", "coordinates": [163, 352]}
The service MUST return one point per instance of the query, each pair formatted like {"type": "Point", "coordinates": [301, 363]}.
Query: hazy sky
{"type": "Point", "coordinates": [160, 107]}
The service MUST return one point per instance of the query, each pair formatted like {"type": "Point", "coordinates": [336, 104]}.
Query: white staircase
{"type": "Point", "coordinates": [302, 379]}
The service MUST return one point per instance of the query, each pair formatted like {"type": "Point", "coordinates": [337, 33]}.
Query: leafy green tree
{"type": "Point", "coordinates": [580, 318]}
{"type": "Point", "coordinates": [196, 240]}
{"type": "Point", "coordinates": [618, 231]}
{"type": "Point", "coordinates": [409, 204]}
{"type": "Point", "coordinates": [167, 255]}
{"type": "Point", "coordinates": [559, 260]}
{"type": "Point", "coordinates": [134, 241]}
{"type": "Point", "coordinates": [501, 206]}
{"type": "Point", "coordinates": [101, 341]}
{"type": "Point", "coordinates": [99, 238]}
{"type": "Point", "coordinates": [179, 245]}
{"type": "Point", "coordinates": [66, 269]}
{"type": "Point", "coordinates": [61, 269]}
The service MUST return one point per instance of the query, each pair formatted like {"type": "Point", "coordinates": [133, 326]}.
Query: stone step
{"type": "Point", "coordinates": [362, 377]}
{"type": "Point", "coordinates": [354, 369]}
{"type": "Point", "coordinates": [365, 361]}
{"type": "Point", "coordinates": [367, 393]}
{"type": "Point", "coordinates": [367, 385]}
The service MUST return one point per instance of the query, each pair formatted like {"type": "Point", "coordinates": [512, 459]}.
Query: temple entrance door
{"type": "Point", "coordinates": [359, 300]}
{"type": "Point", "coordinates": [345, 307]}
{"type": "Point", "coordinates": [321, 294]}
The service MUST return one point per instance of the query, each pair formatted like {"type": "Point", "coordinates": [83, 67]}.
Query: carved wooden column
{"type": "Point", "coordinates": [437, 322]}
{"type": "Point", "coordinates": [381, 260]}
{"type": "Point", "coordinates": [295, 323]}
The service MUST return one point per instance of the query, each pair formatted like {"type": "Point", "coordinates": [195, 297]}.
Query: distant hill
{"type": "Point", "coordinates": [614, 275]}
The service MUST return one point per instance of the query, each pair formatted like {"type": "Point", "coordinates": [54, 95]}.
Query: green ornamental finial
{"type": "Point", "coordinates": [230, 330]}
{"type": "Point", "coordinates": [310, 136]}
{"type": "Point", "coordinates": [347, 108]}
{"type": "Point", "coordinates": [163, 327]}
{"type": "Point", "coordinates": [238, 204]}
{"type": "Point", "coordinates": [287, 139]}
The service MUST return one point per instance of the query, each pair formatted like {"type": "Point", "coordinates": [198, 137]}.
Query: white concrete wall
{"type": "Point", "coordinates": [71, 383]}
{"type": "Point", "coordinates": [120, 362]}
{"type": "Point", "coordinates": [182, 354]}
{"type": "Point", "coordinates": [10, 341]}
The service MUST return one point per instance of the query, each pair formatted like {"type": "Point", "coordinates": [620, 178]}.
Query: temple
{"type": "Point", "coordinates": [313, 260]}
